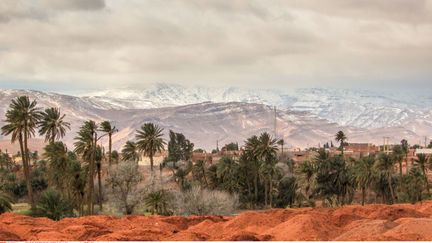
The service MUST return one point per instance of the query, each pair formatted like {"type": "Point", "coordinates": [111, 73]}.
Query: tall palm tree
{"type": "Point", "coordinates": [405, 147]}
{"type": "Point", "coordinates": [308, 169]}
{"type": "Point", "coordinates": [251, 145]}
{"type": "Point", "coordinates": [423, 162]}
{"type": "Point", "coordinates": [149, 140]}
{"type": "Point", "coordinates": [109, 129]}
{"type": "Point", "coordinates": [281, 143]}
{"type": "Point", "coordinates": [363, 173]}
{"type": "Point", "coordinates": [398, 155]}
{"type": "Point", "coordinates": [199, 171]}
{"type": "Point", "coordinates": [21, 120]}
{"type": "Point", "coordinates": [52, 125]}
{"type": "Point", "coordinates": [341, 137]}
{"type": "Point", "coordinates": [99, 156]}
{"type": "Point", "coordinates": [85, 146]}
{"type": "Point", "coordinates": [267, 152]}
{"type": "Point", "coordinates": [130, 152]}
{"type": "Point", "coordinates": [385, 166]}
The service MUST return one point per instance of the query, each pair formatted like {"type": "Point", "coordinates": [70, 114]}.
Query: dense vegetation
{"type": "Point", "coordinates": [261, 176]}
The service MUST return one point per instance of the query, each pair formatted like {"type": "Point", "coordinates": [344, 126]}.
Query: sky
{"type": "Point", "coordinates": [73, 45]}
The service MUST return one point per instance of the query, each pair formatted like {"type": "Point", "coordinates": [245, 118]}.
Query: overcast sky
{"type": "Point", "coordinates": [93, 44]}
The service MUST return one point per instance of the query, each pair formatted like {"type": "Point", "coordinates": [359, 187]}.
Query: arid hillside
{"type": "Point", "coordinates": [372, 222]}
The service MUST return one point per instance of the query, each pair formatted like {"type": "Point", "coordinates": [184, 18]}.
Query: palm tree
{"type": "Point", "coordinates": [385, 166]}
{"type": "Point", "coordinates": [99, 156]}
{"type": "Point", "coordinates": [363, 173]}
{"type": "Point", "coordinates": [267, 151]}
{"type": "Point", "coordinates": [227, 172]}
{"type": "Point", "coordinates": [108, 129]}
{"type": "Point", "coordinates": [21, 121]}
{"type": "Point", "coordinates": [423, 162]}
{"type": "Point", "coordinates": [199, 171]}
{"type": "Point", "coordinates": [130, 152]}
{"type": "Point", "coordinates": [340, 137]}
{"type": "Point", "coordinates": [158, 202]}
{"type": "Point", "coordinates": [251, 145]}
{"type": "Point", "coordinates": [5, 203]}
{"type": "Point", "coordinates": [398, 155]}
{"type": "Point", "coordinates": [149, 140]}
{"type": "Point", "coordinates": [281, 143]}
{"type": "Point", "coordinates": [308, 169]}
{"type": "Point", "coordinates": [52, 125]}
{"type": "Point", "coordinates": [85, 146]}
{"type": "Point", "coordinates": [405, 147]}
{"type": "Point", "coordinates": [57, 155]}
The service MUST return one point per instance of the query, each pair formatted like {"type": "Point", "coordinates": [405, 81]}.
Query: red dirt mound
{"type": "Point", "coordinates": [351, 223]}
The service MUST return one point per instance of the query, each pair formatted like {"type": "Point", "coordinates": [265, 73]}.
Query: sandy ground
{"type": "Point", "coordinates": [372, 222]}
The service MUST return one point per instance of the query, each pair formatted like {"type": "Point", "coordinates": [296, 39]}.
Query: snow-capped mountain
{"type": "Point", "coordinates": [364, 109]}
{"type": "Point", "coordinates": [305, 117]}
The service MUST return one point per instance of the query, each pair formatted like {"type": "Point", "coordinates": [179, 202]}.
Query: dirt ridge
{"type": "Point", "coordinates": [354, 222]}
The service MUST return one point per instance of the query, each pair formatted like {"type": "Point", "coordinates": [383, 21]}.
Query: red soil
{"type": "Point", "coordinates": [371, 222]}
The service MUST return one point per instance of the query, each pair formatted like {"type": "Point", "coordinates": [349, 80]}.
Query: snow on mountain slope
{"type": "Point", "coordinates": [364, 109]}
{"type": "Point", "coordinates": [304, 118]}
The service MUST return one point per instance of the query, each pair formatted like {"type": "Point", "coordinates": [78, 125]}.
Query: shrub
{"type": "Point", "coordinates": [158, 202]}
{"type": "Point", "coordinates": [5, 203]}
{"type": "Point", "coordinates": [123, 181]}
{"type": "Point", "coordinates": [52, 205]}
{"type": "Point", "coordinates": [198, 201]}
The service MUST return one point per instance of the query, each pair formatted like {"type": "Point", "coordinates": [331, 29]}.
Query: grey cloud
{"type": "Point", "coordinates": [43, 9]}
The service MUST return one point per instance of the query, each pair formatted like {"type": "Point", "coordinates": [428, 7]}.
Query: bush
{"type": "Point", "coordinates": [198, 201]}
{"type": "Point", "coordinates": [5, 203]}
{"type": "Point", "coordinates": [123, 181]}
{"type": "Point", "coordinates": [158, 202]}
{"type": "Point", "coordinates": [52, 205]}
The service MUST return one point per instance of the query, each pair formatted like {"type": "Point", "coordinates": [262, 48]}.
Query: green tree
{"type": "Point", "coordinates": [281, 143]}
{"type": "Point", "coordinates": [423, 162]}
{"type": "Point", "coordinates": [398, 155]}
{"type": "Point", "coordinates": [149, 141]}
{"type": "Point", "coordinates": [341, 137]}
{"type": "Point", "coordinates": [109, 130]}
{"type": "Point", "coordinates": [227, 173]}
{"type": "Point", "coordinates": [57, 156]}
{"type": "Point", "coordinates": [384, 166]}
{"type": "Point", "coordinates": [85, 146]}
{"type": "Point", "coordinates": [21, 120]}
{"type": "Point", "coordinates": [52, 125]}
{"type": "Point", "coordinates": [130, 152]}
{"type": "Point", "coordinates": [308, 170]}
{"type": "Point", "coordinates": [405, 148]}
{"type": "Point", "coordinates": [363, 172]}
{"type": "Point", "coordinates": [199, 172]}
{"type": "Point", "coordinates": [5, 203]}
{"type": "Point", "coordinates": [158, 202]}
{"type": "Point", "coordinates": [52, 205]}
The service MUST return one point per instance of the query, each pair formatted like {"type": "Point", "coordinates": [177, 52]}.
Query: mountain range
{"type": "Point", "coordinates": [304, 117]}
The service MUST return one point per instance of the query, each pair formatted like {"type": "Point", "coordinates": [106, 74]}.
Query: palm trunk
{"type": "Point", "coordinates": [407, 164]}
{"type": "Point", "coordinates": [151, 161]}
{"type": "Point", "coordinates": [363, 195]}
{"type": "Point", "coordinates": [26, 166]}
{"type": "Point", "coordinates": [109, 150]}
{"type": "Point", "coordinates": [256, 188]}
{"type": "Point", "coordinates": [426, 180]}
{"type": "Point", "coordinates": [265, 193]}
{"type": "Point", "coordinates": [270, 191]}
{"type": "Point", "coordinates": [27, 169]}
{"type": "Point", "coordinates": [100, 186]}
{"type": "Point", "coordinates": [391, 189]}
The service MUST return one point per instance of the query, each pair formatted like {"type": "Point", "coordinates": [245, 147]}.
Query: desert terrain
{"type": "Point", "coordinates": [349, 223]}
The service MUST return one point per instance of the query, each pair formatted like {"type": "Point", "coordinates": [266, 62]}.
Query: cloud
{"type": "Point", "coordinates": [259, 43]}
{"type": "Point", "coordinates": [43, 9]}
